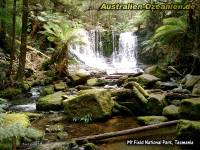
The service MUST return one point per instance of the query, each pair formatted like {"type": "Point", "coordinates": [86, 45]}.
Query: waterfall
{"type": "Point", "coordinates": [123, 59]}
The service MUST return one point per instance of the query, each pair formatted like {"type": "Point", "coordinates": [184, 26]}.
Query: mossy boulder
{"type": "Point", "coordinates": [148, 120]}
{"type": "Point", "coordinates": [80, 77]}
{"type": "Point", "coordinates": [14, 118]}
{"type": "Point", "coordinates": [156, 102]}
{"type": "Point", "coordinates": [96, 82]}
{"type": "Point", "coordinates": [171, 112]}
{"type": "Point", "coordinates": [196, 89]}
{"type": "Point", "coordinates": [190, 108]}
{"type": "Point", "coordinates": [10, 92]}
{"type": "Point", "coordinates": [189, 131]}
{"type": "Point", "coordinates": [50, 102]}
{"type": "Point", "coordinates": [60, 86]}
{"type": "Point", "coordinates": [47, 90]}
{"type": "Point", "coordinates": [146, 79]}
{"type": "Point", "coordinates": [165, 85]}
{"type": "Point", "coordinates": [97, 103]}
{"type": "Point", "coordinates": [190, 80]}
{"type": "Point", "coordinates": [158, 71]}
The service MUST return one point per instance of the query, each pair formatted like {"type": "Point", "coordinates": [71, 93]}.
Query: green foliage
{"type": "Point", "coordinates": [10, 92]}
{"type": "Point", "coordinates": [84, 119]}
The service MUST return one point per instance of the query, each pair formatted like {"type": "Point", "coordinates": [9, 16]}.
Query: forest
{"type": "Point", "coordinates": [99, 74]}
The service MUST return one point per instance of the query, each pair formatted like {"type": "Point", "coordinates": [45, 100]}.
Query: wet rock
{"type": "Point", "coordinates": [176, 102]}
{"type": "Point", "coordinates": [166, 85]}
{"type": "Point", "coordinates": [146, 79]}
{"type": "Point", "coordinates": [156, 102]}
{"type": "Point", "coordinates": [47, 90]}
{"type": "Point", "coordinates": [158, 71]}
{"type": "Point", "coordinates": [96, 102]}
{"type": "Point", "coordinates": [189, 131]}
{"type": "Point", "coordinates": [121, 94]}
{"type": "Point", "coordinates": [171, 112]}
{"type": "Point", "coordinates": [96, 82]}
{"type": "Point", "coordinates": [50, 102]}
{"type": "Point", "coordinates": [181, 90]}
{"type": "Point", "coordinates": [196, 89]}
{"type": "Point", "coordinates": [149, 120]}
{"type": "Point", "coordinates": [190, 80]}
{"type": "Point", "coordinates": [122, 80]}
{"type": "Point", "coordinates": [80, 77]}
{"type": "Point", "coordinates": [60, 86]}
{"type": "Point", "coordinates": [190, 108]}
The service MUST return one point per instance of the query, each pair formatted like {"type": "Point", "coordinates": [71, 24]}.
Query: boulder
{"type": "Point", "coordinates": [190, 80]}
{"type": "Point", "coordinates": [190, 108]}
{"type": "Point", "coordinates": [96, 102]}
{"type": "Point", "coordinates": [60, 86]}
{"type": "Point", "coordinates": [166, 85]}
{"type": "Point", "coordinates": [189, 131]}
{"type": "Point", "coordinates": [80, 77]}
{"type": "Point", "coordinates": [146, 79]}
{"type": "Point", "coordinates": [149, 120]}
{"type": "Point", "coordinates": [96, 82]}
{"type": "Point", "coordinates": [158, 71]}
{"type": "Point", "coordinates": [171, 112]}
{"type": "Point", "coordinates": [83, 87]}
{"type": "Point", "coordinates": [196, 89]}
{"type": "Point", "coordinates": [50, 102]}
{"type": "Point", "coordinates": [156, 102]}
{"type": "Point", "coordinates": [47, 90]}
{"type": "Point", "coordinates": [176, 102]}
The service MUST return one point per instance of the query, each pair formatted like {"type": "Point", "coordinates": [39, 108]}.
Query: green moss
{"type": "Point", "coordinates": [148, 120]}
{"type": "Point", "coordinates": [190, 108]}
{"type": "Point", "coordinates": [95, 82]}
{"type": "Point", "coordinates": [50, 102]}
{"type": "Point", "coordinates": [146, 79]}
{"type": "Point", "coordinates": [171, 111]}
{"type": "Point", "coordinates": [10, 92]}
{"type": "Point", "coordinates": [16, 118]}
{"type": "Point", "coordinates": [98, 103]}
{"type": "Point", "coordinates": [47, 90]}
{"type": "Point", "coordinates": [189, 130]}
{"type": "Point", "coordinates": [89, 146]}
{"type": "Point", "coordinates": [60, 86]}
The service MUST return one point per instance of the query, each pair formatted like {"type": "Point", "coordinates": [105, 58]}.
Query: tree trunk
{"type": "Point", "coordinates": [14, 143]}
{"type": "Point", "coordinates": [12, 54]}
{"type": "Point", "coordinates": [125, 132]}
{"type": "Point", "coordinates": [2, 26]}
{"type": "Point", "coordinates": [23, 47]}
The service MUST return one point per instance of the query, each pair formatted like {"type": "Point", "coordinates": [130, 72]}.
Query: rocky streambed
{"type": "Point", "coordinates": [87, 103]}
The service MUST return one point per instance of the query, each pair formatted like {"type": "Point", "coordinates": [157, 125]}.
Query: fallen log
{"type": "Point", "coordinates": [176, 71]}
{"type": "Point", "coordinates": [125, 132]}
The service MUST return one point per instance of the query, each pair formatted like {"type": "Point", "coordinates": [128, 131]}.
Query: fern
{"type": "Point", "coordinates": [85, 119]}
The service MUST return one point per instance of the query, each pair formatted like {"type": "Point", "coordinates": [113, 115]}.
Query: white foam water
{"type": "Point", "coordinates": [123, 59]}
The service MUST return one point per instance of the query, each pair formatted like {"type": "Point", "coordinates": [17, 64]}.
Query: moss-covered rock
{"type": "Point", "coordinates": [96, 102]}
{"type": "Point", "coordinates": [89, 146]}
{"type": "Point", "coordinates": [190, 108]}
{"type": "Point", "coordinates": [146, 79]}
{"type": "Point", "coordinates": [148, 120]}
{"type": "Point", "coordinates": [50, 102]}
{"type": "Point", "coordinates": [60, 86]}
{"type": "Point", "coordinates": [10, 92]}
{"type": "Point", "coordinates": [47, 90]}
{"type": "Point", "coordinates": [171, 112]}
{"type": "Point", "coordinates": [190, 80]}
{"type": "Point", "coordinates": [196, 89]}
{"type": "Point", "coordinates": [80, 77]}
{"type": "Point", "coordinates": [16, 118]}
{"type": "Point", "coordinates": [83, 87]}
{"type": "Point", "coordinates": [189, 131]}
{"type": "Point", "coordinates": [158, 71]}
{"type": "Point", "coordinates": [165, 85]}
{"type": "Point", "coordinates": [96, 82]}
{"type": "Point", "coordinates": [156, 102]}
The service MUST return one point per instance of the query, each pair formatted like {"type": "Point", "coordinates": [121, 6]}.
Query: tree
{"type": "Point", "coordinates": [23, 47]}
{"type": "Point", "coordinates": [12, 54]}
{"type": "Point", "coordinates": [62, 34]}
{"type": "Point", "coordinates": [2, 24]}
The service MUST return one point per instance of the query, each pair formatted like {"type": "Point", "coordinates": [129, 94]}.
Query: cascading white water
{"type": "Point", "coordinates": [123, 59]}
